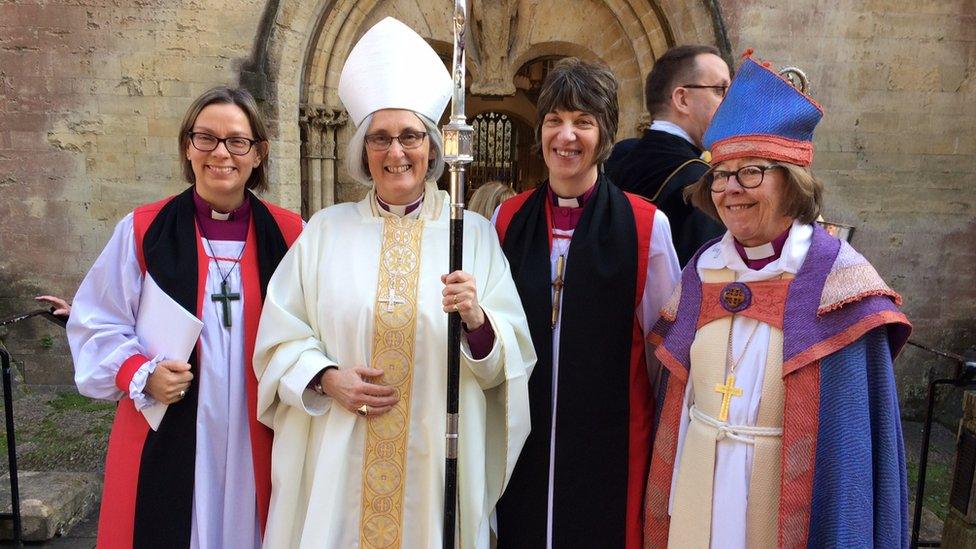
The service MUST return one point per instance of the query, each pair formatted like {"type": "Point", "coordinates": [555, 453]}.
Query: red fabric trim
{"type": "Point", "coordinates": [763, 146]}
{"type": "Point", "coordinates": [142, 217]}
{"type": "Point", "coordinates": [289, 222]}
{"type": "Point", "coordinates": [290, 225]}
{"type": "Point", "coordinates": [668, 360]}
{"type": "Point", "coordinates": [507, 211]}
{"type": "Point", "coordinates": [641, 398]}
{"type": "Point", "coordinates": [801, 417]}
{"type": "Point", "coordinates": [843, 339]}
{"type": "Point", "coordinates": [117, 514]}
{"type": "Point", "coordinates": [129, 368]}
{"type": "Point", "coordinates": [768, 302]}
{"type": "Point", "coordinates": [657, 521]}
{"type": "Point", "coordinates": [858, 297]}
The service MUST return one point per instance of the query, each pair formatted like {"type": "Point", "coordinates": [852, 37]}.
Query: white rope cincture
{"type": "Point", "coordinates": [741, 433]}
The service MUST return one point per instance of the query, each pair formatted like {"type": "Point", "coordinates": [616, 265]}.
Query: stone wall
{"type": "Point", "coordinates": [92, 91]}
{"type": "Point", "coordinates": [91, 97]}
{"type": "Point", "coordinates": [896, 147]}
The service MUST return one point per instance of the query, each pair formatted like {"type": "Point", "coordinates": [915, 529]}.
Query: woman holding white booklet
{"type": "Point", "coordinates": [209, 251]}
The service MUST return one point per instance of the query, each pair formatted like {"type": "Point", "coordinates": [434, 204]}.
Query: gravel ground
{"type": "Point", "coordinates": [58, 431]}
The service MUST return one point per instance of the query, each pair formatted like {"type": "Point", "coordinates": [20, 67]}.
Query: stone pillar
{"type": "Point", "coordinates": [320, 123]}
{"type": "Point", "coordinates": [959, 530]}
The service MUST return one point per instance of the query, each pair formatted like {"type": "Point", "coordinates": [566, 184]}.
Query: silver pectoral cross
{"type": "Point", "coordinates": [391, 300]}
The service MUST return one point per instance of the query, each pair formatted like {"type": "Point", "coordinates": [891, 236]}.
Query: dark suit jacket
{"type": "Point", "coordinates": [643, 169]}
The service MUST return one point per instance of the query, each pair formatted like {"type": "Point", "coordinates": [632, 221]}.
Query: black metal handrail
{"type": "Point", "coordinates": [8, 412]}
{"type": "Point", "coordinates": [963, 376]}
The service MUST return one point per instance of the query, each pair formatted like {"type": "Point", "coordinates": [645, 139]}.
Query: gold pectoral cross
{"type": "Point", "coordinates": [557, 288]}
{"type": "Point", "coordinates": [728, 391]}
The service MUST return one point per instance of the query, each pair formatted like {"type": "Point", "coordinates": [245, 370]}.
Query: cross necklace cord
{"type": "Point", "coordinates": [225, 296]}
{"type": "Point", "coordinates": [729, 390]}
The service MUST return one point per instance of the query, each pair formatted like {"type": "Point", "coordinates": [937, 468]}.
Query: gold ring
{"type": "Point", "coordinates": [182, 393]}
{"type": "Point", "coordinates": [455, 299]}
{"type": "Point", "coordinates": [363, 410]}
{"type": "Point", "coordinates": [455, 307]}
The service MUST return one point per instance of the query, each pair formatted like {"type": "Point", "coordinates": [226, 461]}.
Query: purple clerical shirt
{"type": "Point", "coordinates": [233, 227]}
{"type": "Point", "coordinates": [756, 264]}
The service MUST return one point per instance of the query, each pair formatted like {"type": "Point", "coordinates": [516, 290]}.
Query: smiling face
{"type": "Point", "coordinates": [398, 173]}
{"type": "Point", "coordinates": [220, 177]}
{"type": "Point", "coordinates": [569, 145]}
{"type": "Point", "coordinates": [753, 216]}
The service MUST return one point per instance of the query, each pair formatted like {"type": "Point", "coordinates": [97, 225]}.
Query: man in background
{"type": "Point", "coordinates": [681, 92]}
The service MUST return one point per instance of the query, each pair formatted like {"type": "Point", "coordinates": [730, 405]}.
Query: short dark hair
{"type": "Point", "coordinates": [577, 85]}
{"type": "Point", "coordinates": [677, 64]}
{"type": "Point", "coordinates": [224, 95]}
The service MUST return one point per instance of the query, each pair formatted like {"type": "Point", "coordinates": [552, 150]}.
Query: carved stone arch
{"type": "Point", "coordinates": [301, 45]}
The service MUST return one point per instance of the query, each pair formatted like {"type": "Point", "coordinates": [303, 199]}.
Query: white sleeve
{"type": "Point", "coordinates": [287, 351]}
{"type": "Point", "coordinates": [663, 273]}
{"type": "Point", "coordinates": [101, 328]}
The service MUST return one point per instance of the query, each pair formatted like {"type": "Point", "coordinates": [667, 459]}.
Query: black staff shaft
{"type": "Point", "coordinates": [453, 361]}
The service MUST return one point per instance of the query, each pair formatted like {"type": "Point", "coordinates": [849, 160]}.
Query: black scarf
{"type": "Point", "coordinates": [591, 455]}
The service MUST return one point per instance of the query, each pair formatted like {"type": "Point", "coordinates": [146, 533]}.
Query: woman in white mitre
{"type": "Point", "coordinates": [351, 351]}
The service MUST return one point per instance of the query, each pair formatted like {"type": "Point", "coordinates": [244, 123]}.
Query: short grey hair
{"type": "Point", "coordinates": [358, 167]}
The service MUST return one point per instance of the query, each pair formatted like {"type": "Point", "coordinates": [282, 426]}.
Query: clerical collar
{"type": "Point", "coordinates": [671, 128]}
{"type": "Point", "coordinates": [758, 257]}
{"type": "Point", "coordinates": [566, 212]}
{"type": "Point", "coordinates": [400, 210]}
{"type": "Point", "coordinates": [217, 225]}
{"type": "Point", "coordinates": [571, 202]}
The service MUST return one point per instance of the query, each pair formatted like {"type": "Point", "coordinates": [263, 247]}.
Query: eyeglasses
{"type": "Point", "coordinates": [238, 146]}
{"type": "Point", "coordinates": [407, 140]}
{"type": "Point", "coordinates": [749, 177]}
{"type": "Point", "coordinates": [719, 90]}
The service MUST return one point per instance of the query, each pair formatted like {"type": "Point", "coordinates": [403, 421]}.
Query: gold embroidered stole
{"type": "Point", "coordinates": [394, 331]}
{"type": "Point", "coordinates": [691, 517]}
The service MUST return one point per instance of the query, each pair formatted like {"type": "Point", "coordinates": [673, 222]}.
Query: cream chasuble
{"type": "Point", "coordinates": [362, 287]}
{"type": "Point", "coordinates": [731, 470]}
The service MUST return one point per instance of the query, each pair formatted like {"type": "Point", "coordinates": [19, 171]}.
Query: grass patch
{"type": "Point", "coordinates": [73, 401]}
{"type": "Point", "coordinates": [64, 432]}
{"type": "Point", "coordinates": [938, 481]}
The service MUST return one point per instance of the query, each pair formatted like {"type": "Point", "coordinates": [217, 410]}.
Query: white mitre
{"type": "Point", "coordinates": [392, 67]}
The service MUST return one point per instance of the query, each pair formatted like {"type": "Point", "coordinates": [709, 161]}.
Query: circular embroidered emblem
{"type": "Point", "coordinates": [735, 297]}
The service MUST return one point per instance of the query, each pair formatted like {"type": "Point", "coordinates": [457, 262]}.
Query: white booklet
{"type": "Point", "coordinates": [165, 329]}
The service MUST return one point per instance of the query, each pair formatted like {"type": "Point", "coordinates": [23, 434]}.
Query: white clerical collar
{"type": "Point", "coordinates": [672, 128]}
{"type": "Point", "coordinates": [760, 252]}
{"type": "Point", "coordinates": [219, 216]}
{"type": "Point", "coordinates": [723, 254]}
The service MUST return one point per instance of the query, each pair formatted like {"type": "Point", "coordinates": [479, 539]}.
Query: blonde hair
{"type": "Point", "coordinates": [488, 197]}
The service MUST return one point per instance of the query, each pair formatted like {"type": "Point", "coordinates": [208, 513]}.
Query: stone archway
{"type": "Point", "coordinates": [295, 68]}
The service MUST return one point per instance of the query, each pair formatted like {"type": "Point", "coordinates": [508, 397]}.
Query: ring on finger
{"type": "Point", "coordinates": [456, 309]}
{"type": "Point", "coordinates": [182, 393]}
{"type": "Point", "coordinates": [455, 299]}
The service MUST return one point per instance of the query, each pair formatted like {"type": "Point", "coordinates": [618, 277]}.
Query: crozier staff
{"type": "Point", "coordinates": [352, 353]}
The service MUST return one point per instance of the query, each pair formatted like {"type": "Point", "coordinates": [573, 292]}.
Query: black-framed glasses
{"type": "Point", "coordinates": [238, 146]}
{"type": "Point", "coordinates": [719, 90]}
{"type": "Point", "coordinates": [749, 177]}
{"type": "Point", "coordinates": [407, 140]}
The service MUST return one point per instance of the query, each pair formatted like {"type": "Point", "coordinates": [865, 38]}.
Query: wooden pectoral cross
{"type": "Point", "coordinates": [728, 391]}
{"type": "Point", "coordinates": [557, 288]}
{"type": "Point", "coordinates": [225, 297]}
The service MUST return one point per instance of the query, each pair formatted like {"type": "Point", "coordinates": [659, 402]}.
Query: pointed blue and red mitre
{"type": "Point", "coordinates": [763, 116]}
